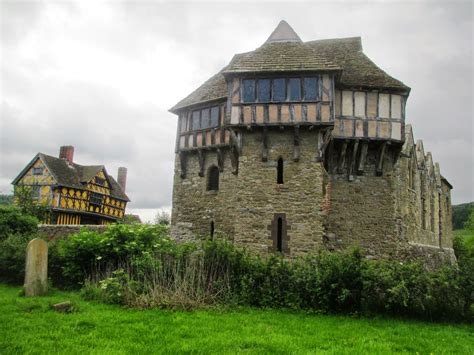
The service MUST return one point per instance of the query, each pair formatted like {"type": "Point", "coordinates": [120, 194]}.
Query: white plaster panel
{"type": "Point", "coordinates": [396, 130]}
{"type": "Point", "coordinates": [347, 108]}
{"type": "Point", "coordinates": [235, 115]}
{"type": "Point", "coordinates": [384, 105]}
{"type": "Point", "coordinates": [359, 104]}
{"type": "Point", "coordinates": [396, 106]}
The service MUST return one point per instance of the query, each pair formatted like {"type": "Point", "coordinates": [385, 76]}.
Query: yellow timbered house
{"type": "Point", "coordinates": [76, 194]}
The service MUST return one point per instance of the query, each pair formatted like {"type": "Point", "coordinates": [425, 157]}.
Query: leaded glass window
{"type": "Point", "coordinates": [279, 90]}
{"type": "Point", "coordinates": [263, 92]}
{"type": "Point", "coordinates": [294, 88]}
{"type": "Point", "coordinates": [249, 91]}
{"type": "Point", "coordinates": [215, 116]}
{"type": "Point", "coordinates": [310, 88]}
{"type": "Point", "coordinates": [196, 124]}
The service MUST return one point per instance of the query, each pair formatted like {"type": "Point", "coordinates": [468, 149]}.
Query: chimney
{"type": "Point", "coordinates": [66, 152]}
{"type": "Point", "coordinates": [122, 177]}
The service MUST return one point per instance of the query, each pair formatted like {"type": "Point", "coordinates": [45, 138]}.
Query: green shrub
{"type": "Point", "coordinates": [12, 258]}
{"type": "Point", "coordinates": [13, 221]}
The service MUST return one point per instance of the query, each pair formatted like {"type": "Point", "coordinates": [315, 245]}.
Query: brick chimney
{"type": "Point", "coordinates": [122, 177]}
{"type": "Point", "coordinates": [66, 152]}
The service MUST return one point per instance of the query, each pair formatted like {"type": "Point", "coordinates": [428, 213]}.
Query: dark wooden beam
{"type": "Point", "coordinates": [182, 161]}
{"type": "Point", "coordinates": [353, 159]}
{"type": "Point", "coordinates": [363, 157]}
{"type": "Point", "coordinates": [296, 144]}
{"type": "Point", "coordinates": [265, 143]}
{"type": "Point", "coordinates": [326, 138]}
{"type": "Point", "coordinates": [379, 169]}
{"type": "Point", "coordinates": [201, 162]}
{"type": "Point", "coordinates": [342, 157]}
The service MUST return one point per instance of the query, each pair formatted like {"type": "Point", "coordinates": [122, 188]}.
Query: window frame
{"type": "Point", "coordinates": [286, 86]}
{"type": "Point", "coordinates": [94, 197]}
{"type": "Point", "coordinates": [35, 170]}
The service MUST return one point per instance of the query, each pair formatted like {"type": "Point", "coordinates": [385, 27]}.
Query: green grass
{"type": "Point", "coordinates": [28, 325]}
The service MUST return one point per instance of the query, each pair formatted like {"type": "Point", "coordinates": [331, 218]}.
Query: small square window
{"type": "Point", "coordinates": [248, 91]}
{"type": "Point", "coordinates": [37, 171]}
{"type": "Point", "coordinates": [96, 199]}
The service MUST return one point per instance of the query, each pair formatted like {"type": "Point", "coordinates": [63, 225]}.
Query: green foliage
{"type": "Point", "coordinates": [14, 221]}
{"type": "Point", "coordinates": [464, 250]}
{"type": "Point", "coordinates": [469, 224]}
{"type": "Point", "coordinates": [6, 200]}
{"type": "Point", "coordinates": [16, 230]}
{"type": "Point", "coordinates": [461, 214]}
{"type": "Point", "coordinates": [25, 201]}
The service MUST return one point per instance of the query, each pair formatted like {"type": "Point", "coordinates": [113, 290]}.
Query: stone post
{"type": "Point", "coordinates": [36, 271]}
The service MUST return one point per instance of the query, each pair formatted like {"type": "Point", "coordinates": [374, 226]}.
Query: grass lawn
{"type": "Point", "coordinates": [29, 325]}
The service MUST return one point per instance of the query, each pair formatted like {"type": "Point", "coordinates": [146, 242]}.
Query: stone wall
{"type": "Point", "coordinates": [401, 211]}
{"type": "Point", "coordinates": [246, 203]}
{"type": "Point", "coordinates": [56, 231]}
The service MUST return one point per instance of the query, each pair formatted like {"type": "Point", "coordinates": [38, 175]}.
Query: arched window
{"type": "Point", "coordinates": [280, 235]}
{"type": "Point", "coordinates": [280, 171]}
{"type": "Point", "coordinates": [213, 179]}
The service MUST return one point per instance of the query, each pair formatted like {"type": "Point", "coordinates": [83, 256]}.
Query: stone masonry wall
{"type": "Point", "coordinates": [56, 231]}
{"type": "Point", "coordinates": [245, 204]}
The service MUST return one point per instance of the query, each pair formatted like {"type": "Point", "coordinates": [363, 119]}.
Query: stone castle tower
{"type": "Point", "coordinates": [298, 146]}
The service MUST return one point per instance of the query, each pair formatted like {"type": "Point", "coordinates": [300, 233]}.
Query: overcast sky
{"type": "Point", "coordinates": [101, 76]}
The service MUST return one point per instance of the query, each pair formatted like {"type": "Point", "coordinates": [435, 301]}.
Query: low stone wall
{"type": "Point", "coordinates": [55, 231]}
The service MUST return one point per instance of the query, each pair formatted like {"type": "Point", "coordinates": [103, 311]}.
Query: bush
{"type": "Point", "coordinates": [13, 221]}
{"type": "Point", "coordinates": [12, 258]}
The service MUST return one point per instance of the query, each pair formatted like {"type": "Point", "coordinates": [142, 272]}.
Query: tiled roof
{"type": "Point", "coordinates": [344, 54]}
{"type": "Point", "coordinates": [75, 175]}
{"type": "Point", "coordinates": [281, 57]}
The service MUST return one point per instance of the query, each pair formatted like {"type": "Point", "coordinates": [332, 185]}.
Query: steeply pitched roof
{"type": "Point", "coordinates": [283, 33]}
{"type": "Point", "coordinates": [283, 51]}
{"type": "Point", "coordinates": [75, 175]}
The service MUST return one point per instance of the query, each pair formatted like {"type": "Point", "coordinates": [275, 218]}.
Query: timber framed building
{"type": "Point", "coordinates": [75, 194]}
{"type": "Point", "coordinates": [298, 146]}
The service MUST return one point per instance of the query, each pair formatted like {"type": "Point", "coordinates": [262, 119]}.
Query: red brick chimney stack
{"type": "Point", "coordinates": [122, 177]}
{"type": "Point", "coordinates": [66, 152]}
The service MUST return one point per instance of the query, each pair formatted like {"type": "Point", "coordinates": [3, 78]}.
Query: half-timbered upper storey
{"type": "Point", "coordinates": [288, 82]}
{"type": "Point", "coordinates": [76, 194]}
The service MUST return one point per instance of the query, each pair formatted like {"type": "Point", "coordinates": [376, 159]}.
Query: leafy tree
{"type": "Point", "coordinates": [162, 217]}
{"type": "Point", "coordinates": [6, 200]}
{"type": "Point", "coordinates": [469, 224]}
{"type": "Point", "coordinates": [26, 202]}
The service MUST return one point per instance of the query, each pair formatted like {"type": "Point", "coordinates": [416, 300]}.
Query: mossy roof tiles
{"type": "Point", "coordinates": [340, 54]}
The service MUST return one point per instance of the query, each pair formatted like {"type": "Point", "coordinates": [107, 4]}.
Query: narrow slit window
{"type": "Point", "coordinates": [212, 230]}
{"type": "Point", "coordinates": [213, 179]}
{"type": "Point", "coordinates": [280, 235]}
{"type": "Point", "coordinates": [280, 171]}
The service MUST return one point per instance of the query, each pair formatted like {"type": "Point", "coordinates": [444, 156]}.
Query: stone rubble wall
{"type": "Point", "coordinates": [52, 232]}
